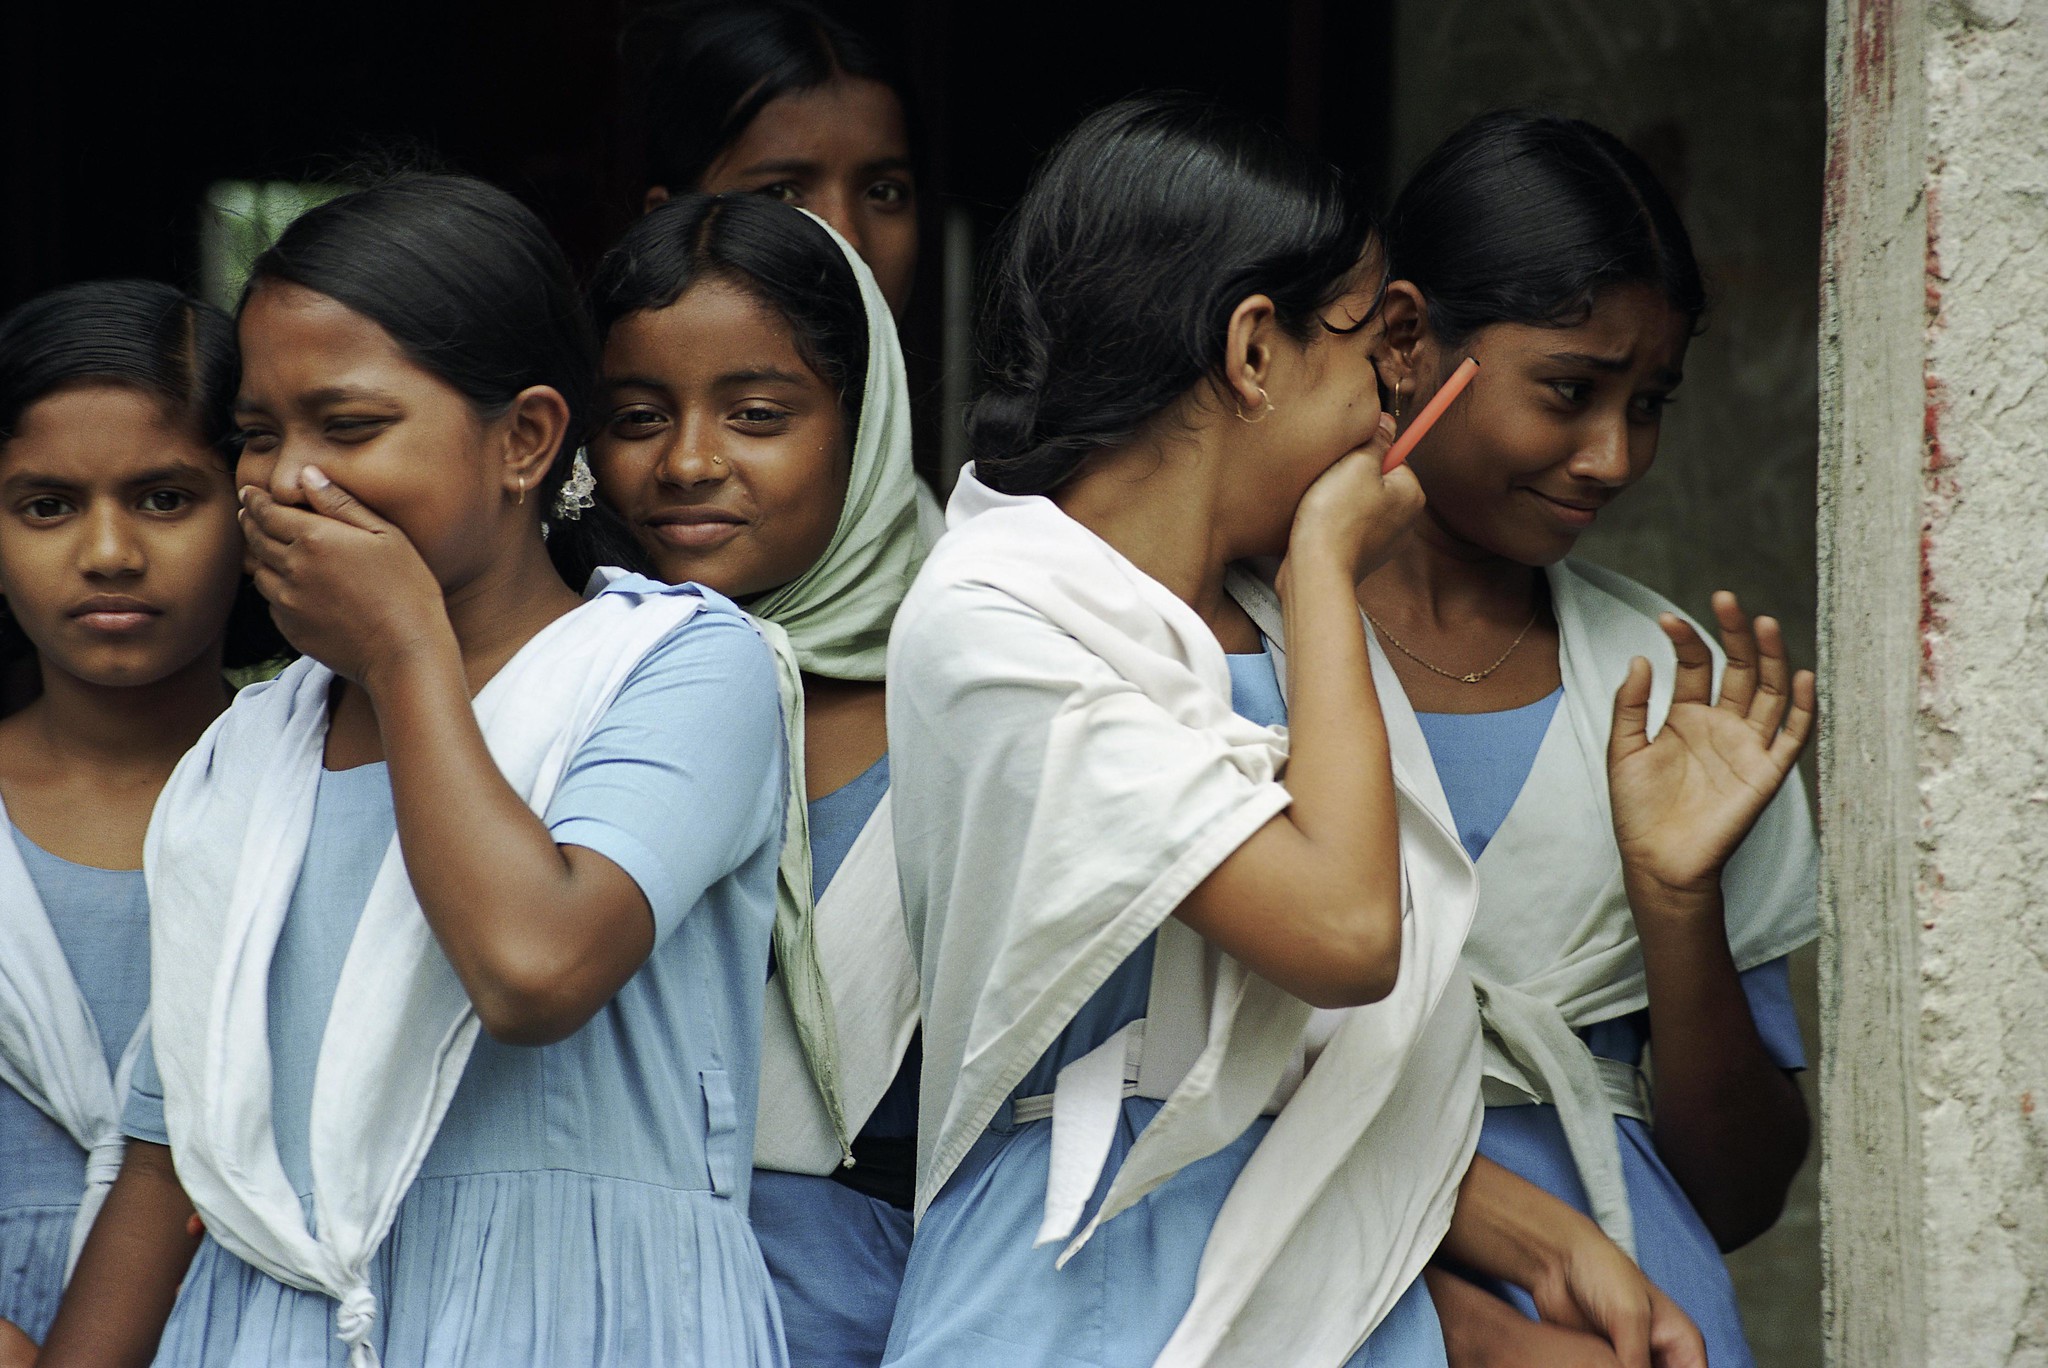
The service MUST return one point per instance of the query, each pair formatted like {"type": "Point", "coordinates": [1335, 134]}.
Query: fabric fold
{"type": "Point", "coordinates": [1037, 671]}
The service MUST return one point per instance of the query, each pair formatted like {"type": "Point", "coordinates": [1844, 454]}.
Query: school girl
{"type": "Point", "coordinates": [460, 926]}
{"type": "Point", "coordinates": [778, 98]}
{"type": "Point", "coordinates": [755, 435]}
{"type": "Point", "coordinates": [120, 564]}
{"type": "Point", "coordinates": [1126, 884]}
{"type": "Point", "coordinates": [1632, 890]}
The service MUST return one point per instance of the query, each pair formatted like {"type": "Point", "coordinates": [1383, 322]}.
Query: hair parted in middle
{"type": "Point", "coordinates": [778, 254]}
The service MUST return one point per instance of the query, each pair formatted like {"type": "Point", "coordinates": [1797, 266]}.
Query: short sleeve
{"type": "Point", "coordinates": [683, 778]}
{"type": "Point", "coordinates": [142, 1111]}
{"type": "Point", "coordinates": [1769, 990]}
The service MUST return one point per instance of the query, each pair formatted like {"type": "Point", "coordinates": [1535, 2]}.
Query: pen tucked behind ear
{"type": "Point", "coordinates": [1398, 453]}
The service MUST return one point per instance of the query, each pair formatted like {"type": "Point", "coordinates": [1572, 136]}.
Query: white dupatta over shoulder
{"type": "Point", "coordinates": [50, 1050]}
{"type": "Point", "coordinates": [1068, 768]}
{"type": "Point", "coordinates": [1553, 948]}
{"type": "Point", "coordinates": [224, 852]}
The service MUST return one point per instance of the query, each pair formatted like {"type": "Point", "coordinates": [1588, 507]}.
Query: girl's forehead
{"type": "Point", "coordinates": [1629, 325]}
{"type": "Point", "coordinates": [292, 336]}
{"type": "Point", "coordinates": [715, 324]}
{"type": "Point", "coordinates": [847, 119]}
{"type": "Point", "coordinates": [100, 429]}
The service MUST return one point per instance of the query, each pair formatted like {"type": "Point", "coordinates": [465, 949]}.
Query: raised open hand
{"type": "Point", "coordinates": [1683, 802]}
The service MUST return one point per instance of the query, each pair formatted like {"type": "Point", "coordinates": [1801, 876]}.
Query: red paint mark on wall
{"type": "Point", "coordinates": [1834, 198]}
{"type": "Point", "coordinates": [2026, 1104]}
{"type": "Point", "coordinates": [1870, 50]}
{"type": "Point", "coordinates": [1935, 460]}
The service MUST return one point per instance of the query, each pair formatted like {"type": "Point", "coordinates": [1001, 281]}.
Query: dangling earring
{"type": "Point", "coordinates": [1397, 406]}
{"type": "Point", "coordinates": [578, 491]}
{"type": "Point", "coordinates": [522, 492]}
{"type": "Point", "coordinates": [1263, 399]}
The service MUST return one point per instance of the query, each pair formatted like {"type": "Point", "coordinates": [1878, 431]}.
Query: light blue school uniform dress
{"type": "Point", "coordinates": [101, 917]}
{"type": "Point", "coordinates": [836, 1246]}
{"type": "Point", "coordinates": [584, 1202]}
{"type": "Point", "coordinates": [977, 1292]}
{"type": "Point", "coordinates": [1482, 761]}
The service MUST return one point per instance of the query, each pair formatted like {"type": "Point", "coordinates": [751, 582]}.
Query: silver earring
{"type": "Point", "coordinates": [577, 491]}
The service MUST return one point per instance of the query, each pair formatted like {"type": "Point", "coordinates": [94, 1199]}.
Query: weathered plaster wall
{"type": "Point", "coordinates": [1935, 771]}
{"type": "Point", "coordinates": [1982, 729]}
{"type": "Point", "coordinates": [1725, 98]}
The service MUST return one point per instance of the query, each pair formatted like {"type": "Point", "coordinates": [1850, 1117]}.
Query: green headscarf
{"type": "Point", "coordinates": [833, 620]}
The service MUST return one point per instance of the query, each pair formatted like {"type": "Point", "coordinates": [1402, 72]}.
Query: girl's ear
{"type": "Point", "coordinates": [1248, 355]}
{"type": "Point", "coordinates": [536, 425]}
{"type": "Point", "coordinates": [1403, 343]}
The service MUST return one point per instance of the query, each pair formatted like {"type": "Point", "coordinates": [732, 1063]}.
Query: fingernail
{"type": "Point", "coordinates": [316, 477]}
{"type": "Point", "coordinates": [242, 495]}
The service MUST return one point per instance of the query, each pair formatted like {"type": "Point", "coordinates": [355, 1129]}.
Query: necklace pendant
{"type": "Point", "coordinates": [1472, 678]}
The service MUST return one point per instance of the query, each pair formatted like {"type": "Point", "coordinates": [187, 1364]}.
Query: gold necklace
{"type": "Point", "coordinates": [1473, 678]}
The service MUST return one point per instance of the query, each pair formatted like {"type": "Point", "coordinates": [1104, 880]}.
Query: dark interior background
{"type": "Point", "coordinates": [117, 120]}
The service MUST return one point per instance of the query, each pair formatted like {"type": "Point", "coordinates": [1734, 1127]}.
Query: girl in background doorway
{"type": "Point", "coordinates": [1633, 891]}
{"type": "Point", "coordinates": [777, 98]}
{"type": "Point", "coordinates": [755, 434]}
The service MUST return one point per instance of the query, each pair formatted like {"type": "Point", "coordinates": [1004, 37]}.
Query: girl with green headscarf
{"type": "Point", "coordinates": [756, 436]}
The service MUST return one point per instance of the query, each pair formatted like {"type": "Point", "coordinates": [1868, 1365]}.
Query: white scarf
{"type": "Point", "coordinates": [865, 961]}
{"type": "Point", "coordinates": [1047, 824]}
{"type": "Point", "coordinates": [841, 1014]}
{"type": "Point", "coordinates": [1553, 948]}
{"type": "Point", "coordinates": [223, 856]}
{"type": "Point", "coordinates": [50, 1049]}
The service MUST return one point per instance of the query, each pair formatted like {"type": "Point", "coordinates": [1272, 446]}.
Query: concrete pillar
{"type": "Point", "coordinates": [1934, 651]}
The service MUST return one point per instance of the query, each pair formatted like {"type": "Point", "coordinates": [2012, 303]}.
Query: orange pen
{"type": "Point", "coordinates": [1431, 411]}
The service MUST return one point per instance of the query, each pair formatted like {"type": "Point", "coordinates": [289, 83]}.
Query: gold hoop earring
{"type": "Point", "coordinates": [522, 492]}
{"type": "Point", "coordinates": [1263, 399]}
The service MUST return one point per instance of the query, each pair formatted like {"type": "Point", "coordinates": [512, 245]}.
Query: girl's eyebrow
{"type": "Point", "coordinates": [345, 394]}
{"type": "Point", "coordinates": [1600, 363]}
{"type": "Point", "coordinates": [24, 480]}
{"type": "Point", "coordinates": [327, 394]}
{"type": "Point", "coordinates": [619, 382]}
{"type": "Point", "coordinates": [164, 474]}
{"type": "Point", "coordinates": [752, 375]}
{"type": "Point", "coordinates": [781, 166]}
{"type": "Point", "coordinates": [758, 374]}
